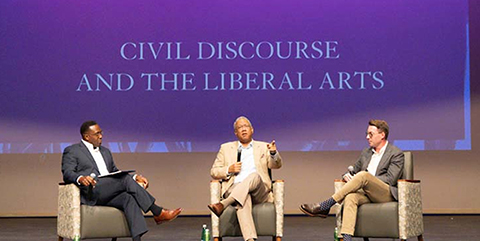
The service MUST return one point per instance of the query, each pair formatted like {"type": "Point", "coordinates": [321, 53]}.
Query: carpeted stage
{"type": "Point", "coordinates": [297, 228]}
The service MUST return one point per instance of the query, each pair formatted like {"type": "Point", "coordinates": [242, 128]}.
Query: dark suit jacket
{"type": "Point", "coordinates": [390, 168]}
{"type": "Point", "coordinates": [77, 161]}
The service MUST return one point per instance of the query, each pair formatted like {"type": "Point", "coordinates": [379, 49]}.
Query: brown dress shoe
{"type": "Point", "coordinates": [167, 215]}
{"type": "Point", "coordinates": [216, 208]}
{"type": "Point", "coordinates": [314, 210]}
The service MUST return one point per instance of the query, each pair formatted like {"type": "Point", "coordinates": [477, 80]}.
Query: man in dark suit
{"type": "Point", "coordinates": [125, 192]}
{"type": "Point", "coordinates": [373, 179]}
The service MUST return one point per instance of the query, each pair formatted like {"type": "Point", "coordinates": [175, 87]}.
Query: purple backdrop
{"type": "Point", "coordinates": [308, 74]}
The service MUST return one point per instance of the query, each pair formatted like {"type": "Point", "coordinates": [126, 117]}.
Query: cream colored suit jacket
{"type": "Point", "coordinates": [227, 155]}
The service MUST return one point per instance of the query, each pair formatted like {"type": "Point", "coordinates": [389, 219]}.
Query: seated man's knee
{"type": "Point", "coordinates": [255, 176]}
{"type": "Point", "coordinates": [123, 201]}
{"type": "Point", "coordinates": [362, 175]}
{"type": "Point", "coordinates": [350, 199]}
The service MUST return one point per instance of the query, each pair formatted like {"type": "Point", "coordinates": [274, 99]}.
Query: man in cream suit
{"type": "Point", "coordinates": [373, 179]}
{"type": "Point", "coordinates": [246, 181]}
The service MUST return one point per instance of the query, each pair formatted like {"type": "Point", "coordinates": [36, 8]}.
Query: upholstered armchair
{"type": "Point", "coordinates": [87, 222]}
{"type": "Point", "coordinates": [268, 217]}
{"type": "Point", "coordinates": [398, 220]}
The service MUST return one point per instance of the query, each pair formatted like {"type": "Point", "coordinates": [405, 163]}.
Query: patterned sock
{"type": "Point", "coordinates": [347, 237]}
{"type": "Point", "coordinates": [156, 210]}
{"type": "Point", "coordinates": [327, 204]}
{"type": "Point", "coordinates": [227, 201]}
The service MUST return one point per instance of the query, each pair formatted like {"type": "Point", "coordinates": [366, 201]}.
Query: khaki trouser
{"type": "Point", "coordinates": [250, 191]}
{"type": "Point", "coordinates": [363, 188]}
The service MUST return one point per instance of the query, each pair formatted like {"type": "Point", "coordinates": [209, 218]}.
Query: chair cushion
{"type": "Point", "coordinates": [103, 222]}
{"type": "Point", "coordinates": [264, 217]}
{"type": "Point", "coordinates": [377, 220]}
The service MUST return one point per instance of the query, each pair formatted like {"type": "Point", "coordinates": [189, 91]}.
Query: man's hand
{"type": "Point", "coordinates": [347, 177]}
{"type": "Point", "coordinates": [87, 181]}
{"type": "Point", "coordinates": [235, 168]}
{"type": "Point", "coordinates": [272, 147]}
{"type": "Point", "coordinates": [142, 181]}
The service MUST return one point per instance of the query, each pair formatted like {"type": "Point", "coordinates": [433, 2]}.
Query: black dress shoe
{"type": "Point", "coordinates": [314, 210]}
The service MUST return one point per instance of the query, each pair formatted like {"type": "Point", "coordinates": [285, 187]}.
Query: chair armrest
{"type": "Point", "coordinates": [68, 220]}
{"type": "Point", "coordinates": [337, 208]}
{"type": "Point", "coordinates": [410, 181]}
{"type": "Point", "coordinates": [410, 213]}
{"type": "Point", "coordinates": [215, 193]}
{"type": "Point", "coordinates": [338, 184]}
{"type": "Point", "coordinates": [279, 202]}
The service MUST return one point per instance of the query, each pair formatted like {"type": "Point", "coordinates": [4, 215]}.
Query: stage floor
{"type": "Point", "coordinates": [297, 228]}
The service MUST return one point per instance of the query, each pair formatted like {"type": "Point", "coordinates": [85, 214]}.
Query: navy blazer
{"type": "Point", "coordinates": [77, 161]}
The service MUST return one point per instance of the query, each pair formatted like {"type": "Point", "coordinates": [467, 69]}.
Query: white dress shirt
{"type": "Point", "coordinates": [97, 156]}
{"type": "Point", "coordinates": [376, 157]}
{"type": "Point", "coordinates": [248, 162]}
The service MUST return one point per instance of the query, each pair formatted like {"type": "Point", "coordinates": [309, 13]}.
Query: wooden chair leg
{"type": "Point", "coordinates": [60, 238]}
{"type": "Point", "coordinates": [420, 238]}
{"type": "Point", "coordinates": [217, 239]}
{"type": "Point", "coordinates": [276, 238]}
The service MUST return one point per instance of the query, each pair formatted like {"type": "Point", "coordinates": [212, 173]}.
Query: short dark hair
{"type": "Point", "coordinates": [381, 125]}
{"type": "Point", "coordinates": [86, 125]}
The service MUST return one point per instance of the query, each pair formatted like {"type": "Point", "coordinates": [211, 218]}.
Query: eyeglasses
{"type": "Point", "coordinates": [370, 134]}
{"type": "Point", "coordinates": [243, 126]}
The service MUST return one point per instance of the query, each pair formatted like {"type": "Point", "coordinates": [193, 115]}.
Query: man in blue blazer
{"type": "Point", "coordinates": [84, 161]}
{"type": "Point", "coordinates": [373, 179]}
